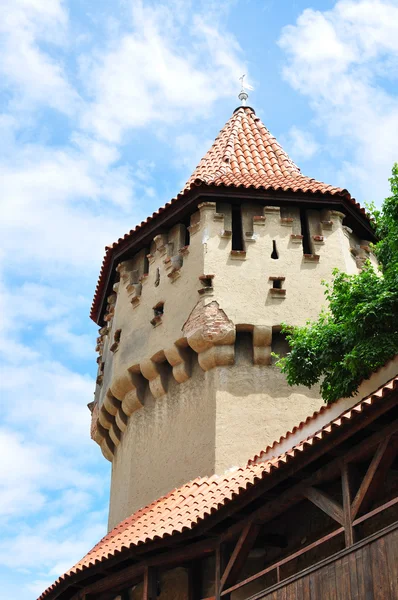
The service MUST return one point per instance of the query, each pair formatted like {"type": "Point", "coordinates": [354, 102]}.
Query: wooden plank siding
{"type": "Point", "coordinates": [369, 572]}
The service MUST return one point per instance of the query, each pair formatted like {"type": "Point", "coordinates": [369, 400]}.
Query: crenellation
{"type": "Point", "coordinates": [149, 337]}
{"type": "Point", "coordinates": [224, 213]}
{"type": "Point", "coordinates": [194, 223]}
{"type": "Point", "coordinates": [186, 363]}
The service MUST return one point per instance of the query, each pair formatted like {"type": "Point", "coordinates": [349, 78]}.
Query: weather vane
{"type": "Point", "coordinates": [243, 95]}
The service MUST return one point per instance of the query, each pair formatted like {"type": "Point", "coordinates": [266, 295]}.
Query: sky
{"type": "Point", "coordinates": [106, 106]}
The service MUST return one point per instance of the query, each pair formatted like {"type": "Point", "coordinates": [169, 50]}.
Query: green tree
{"type": "Point", "coordinates": [359, 331]}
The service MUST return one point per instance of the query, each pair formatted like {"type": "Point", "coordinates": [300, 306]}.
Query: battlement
{"type": "Point", "coordinates": [236, 268]}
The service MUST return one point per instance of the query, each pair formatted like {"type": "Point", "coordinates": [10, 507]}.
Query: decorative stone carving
{"type": "Point", "coordinates": [115, 434]}
{"type": "Point", "coordinates": [111, 404]}
{"type": "Point", "coordinates": [180, 359]}
{"type": "Point", "coordinates": [105, 418]}
{"type": "Point", "coordinates": [262, 339]}
{"type": "Point", "coordinates": [107, 448]}
{"type": "Point", "coordinates": [156, 374]}
{"type": "Point", "coordinates": [121, 419]}
{"type": "Point", "coordinates": [129, 390]}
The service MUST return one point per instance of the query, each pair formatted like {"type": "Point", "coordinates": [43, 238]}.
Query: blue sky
{"type": "Point", "coordinates": [105, 109]}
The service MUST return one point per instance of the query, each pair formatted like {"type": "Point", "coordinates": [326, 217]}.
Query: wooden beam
{"type": "Point", "coordinates": [325, 503]}
{"type": "Point", "coordinates": [217, 577]}
{"type": "Point", "coordinates": [265, 512]}
{"type": "Point", "coordinates": [195, 581]}
{"type": "Point", "coordinates": [240, 554]}
{"type": "Point", "coordinates": [294, 494]}
{"type": "Point", "coordinates": [346, 489]}
{"type": "Point", "coordinates": [375, 474]}
{"type": "Point", "coordinates": [150, 584]}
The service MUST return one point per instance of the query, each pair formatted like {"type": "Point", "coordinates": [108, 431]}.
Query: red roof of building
{"type": "Point", "coordinates": [184, 508]}
{"type": "Point", "coordinates": [246, 155]}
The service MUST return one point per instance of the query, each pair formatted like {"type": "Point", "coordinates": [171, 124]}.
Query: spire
{"type": "Point", "coordinates": [246, 154]}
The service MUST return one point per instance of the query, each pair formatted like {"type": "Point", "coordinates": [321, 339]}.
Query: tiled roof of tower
{"type": "Point", "coordinates": [244, 155]}
{"type": "Point", "coordinates": [184, 508]}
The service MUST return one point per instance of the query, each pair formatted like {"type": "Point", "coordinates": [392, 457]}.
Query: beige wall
{"type": "Point", "coordinates": [216, 420]}
{"type": "Point", "coordinates": [161, 417]}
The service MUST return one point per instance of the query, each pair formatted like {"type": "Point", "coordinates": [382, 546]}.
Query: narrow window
{"type": "Point", "coordinates": [157, 314]}
{"type": "Point", "coordinates": [305, 232]}
{"type": "Point", "coordinates": [237, 232]}
{"type": "Point", "coordinates": [274, 253]}
{"type": "Point", "coordinates": [158, 309]}
{"type": "Point", "coordinates": [187, 237]}
{"type": "Point", "coordinates": [146, 265]}
{"type": "Point", "coordinates": [157, 278]}
{"type": "Point", "coordinates": [277, 284]}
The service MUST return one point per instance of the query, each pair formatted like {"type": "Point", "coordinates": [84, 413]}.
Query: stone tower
{"type": "Point", "coordinates": [190, 305]}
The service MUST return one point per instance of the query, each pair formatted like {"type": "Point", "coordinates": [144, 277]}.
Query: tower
{"type": "Point", "coordinates": [190, 306]}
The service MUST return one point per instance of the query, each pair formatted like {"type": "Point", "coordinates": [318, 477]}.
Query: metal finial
{"type": "Point", "coordinates": [243, 95]}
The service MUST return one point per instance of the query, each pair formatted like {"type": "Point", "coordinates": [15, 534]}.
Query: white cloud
{"type": "Point", "coordinates": [189, 149]}
{"type": "Point", "coordinates": [26, 69]}
{"type": "Point", "coordinates": [79, 345]}
{"type": "Point", "coordinates": [68, 187]}
{"type": "Point", "coordinates": [301, 144]}
{"type": "Point", "coordinates": [54, 202]}
{"type": "Point", "coordinates": [157, 72]}
{"type": "Point", "coordinates": [337, 58]}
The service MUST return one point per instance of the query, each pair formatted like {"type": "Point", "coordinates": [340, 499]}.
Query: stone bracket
{"type": "Point", "coordinates": [262, 339]}
{"type": "Point", "coordinates": [180, 359]}
{"type": "Point", "coordinates": [156, 374]}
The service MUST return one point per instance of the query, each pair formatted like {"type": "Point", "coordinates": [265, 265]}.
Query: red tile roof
{"type": "Point", "coordinates": [186, 506]}
{"type": "Point", "coordinates": [244, 155]}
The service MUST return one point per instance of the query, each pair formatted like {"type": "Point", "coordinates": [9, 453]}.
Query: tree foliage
{"type": "Point", "coordinates": [359, 331]}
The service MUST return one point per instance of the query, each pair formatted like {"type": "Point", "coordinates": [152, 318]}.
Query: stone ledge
{"type": "Point", "coordinates": [238, 254]}
{"type": "Point", "coordinates": [311, 257]}
{"type": "Point", "coordinates": [297, 238]}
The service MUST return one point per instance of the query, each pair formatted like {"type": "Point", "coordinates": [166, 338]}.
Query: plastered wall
{"type": "Point", "coordinates": [179, 394]}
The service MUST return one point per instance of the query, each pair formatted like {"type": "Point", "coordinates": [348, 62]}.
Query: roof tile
{"type": "Point", "coordinates": [244, 154]}
{"type": "Point", "coordinates": [185, 507]}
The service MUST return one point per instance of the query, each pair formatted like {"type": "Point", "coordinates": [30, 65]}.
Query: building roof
{"type": "Point", "coordinates": [184, 508]}
{"type": "Point", "coordinates": [244, 155]}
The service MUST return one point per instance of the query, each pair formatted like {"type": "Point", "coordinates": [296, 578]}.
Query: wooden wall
{"type": "Point", "coordinates": [369, 572]}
